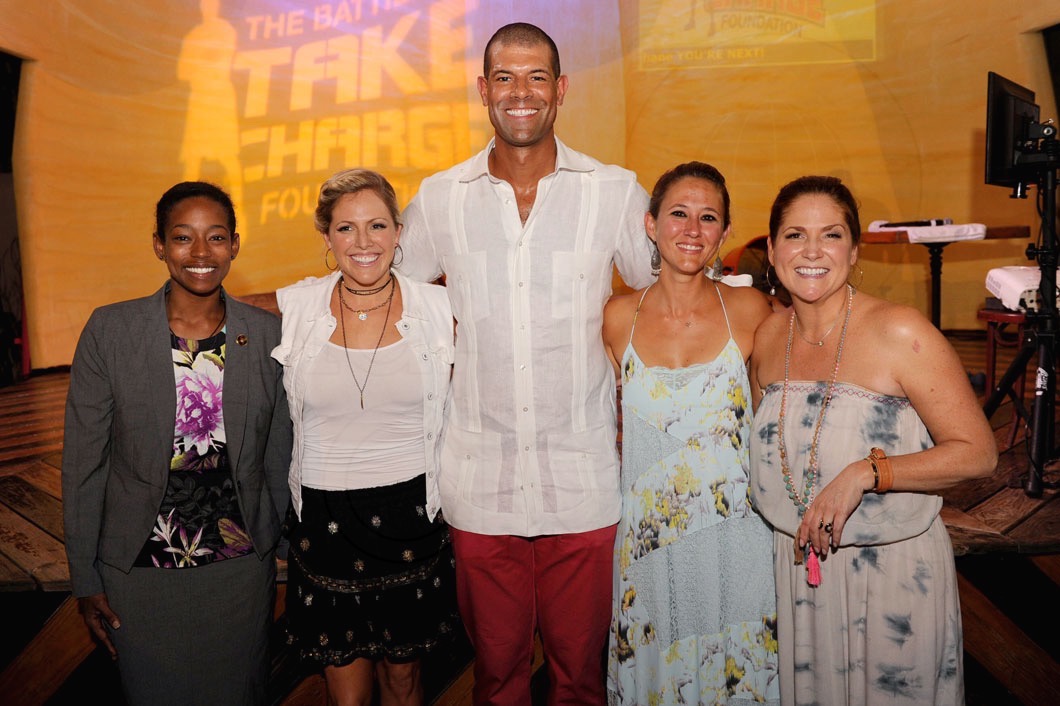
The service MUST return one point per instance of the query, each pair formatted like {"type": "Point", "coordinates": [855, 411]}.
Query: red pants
{"type": "Point", "coordinates": [560, 584]}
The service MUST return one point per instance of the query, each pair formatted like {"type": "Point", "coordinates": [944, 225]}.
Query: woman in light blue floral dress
{"type": "Point", "coordinates": [863, 412]}
{"type": "Point", "coordinates": [694, 608]}
{"type": "Point", "coordinates": [175, 456]}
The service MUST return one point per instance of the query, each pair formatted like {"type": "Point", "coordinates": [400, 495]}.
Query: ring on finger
{"type": "Point", "coordinates": [820, 525]}
{"type": "Point", "coordinates": [828, 528]}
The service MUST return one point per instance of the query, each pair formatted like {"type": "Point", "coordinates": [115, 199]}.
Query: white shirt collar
{"type": "Point", "coordinates": [566, 160]}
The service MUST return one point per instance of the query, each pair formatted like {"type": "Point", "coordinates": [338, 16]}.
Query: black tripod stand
{"type": "Point", "coordinates": [1042, 329]}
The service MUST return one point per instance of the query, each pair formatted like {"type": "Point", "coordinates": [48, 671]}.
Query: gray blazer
{"type": "Point", "coordinates": [120, 418]}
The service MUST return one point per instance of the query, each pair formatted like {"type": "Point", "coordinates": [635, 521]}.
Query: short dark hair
{"type": "Point", "coordinates": [522, 34]}
{"type": "Point", "coordinates": [190, 189]}
{"type": "Point", "coordinates": [829, 186]}
{"type": "Point", "coordinates": [696, 170]}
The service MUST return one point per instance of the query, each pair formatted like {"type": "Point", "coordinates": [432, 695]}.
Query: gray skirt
{"type": "Point", "coordinates": [194, 636]}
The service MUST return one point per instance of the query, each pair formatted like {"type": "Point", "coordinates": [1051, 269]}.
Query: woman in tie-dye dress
{"type": "Point", "coordinates": [694, 606]}
{"type": "Point", "coordinates": [863, 412]}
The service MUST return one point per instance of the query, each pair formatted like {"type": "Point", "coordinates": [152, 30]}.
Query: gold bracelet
{"type": "Point", "coordinates": [875, 473]}
{"type": "Point", "coordinates": [881, 465]}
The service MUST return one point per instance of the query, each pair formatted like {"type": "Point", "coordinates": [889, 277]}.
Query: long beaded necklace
{"type": "Point", "coordinates": [809, 489]}
{"type": "Point", "coordinates": [805, 499]}
{"type": "Point", "coordinates": [382, 332]}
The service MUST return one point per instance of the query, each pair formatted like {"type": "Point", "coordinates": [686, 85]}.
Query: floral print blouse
{"type": "Point", "coordinates": [199, 521]}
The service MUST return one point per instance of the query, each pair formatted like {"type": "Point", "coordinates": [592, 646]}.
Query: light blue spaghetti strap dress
{"type": "Point", "coordinates": [694, 615]}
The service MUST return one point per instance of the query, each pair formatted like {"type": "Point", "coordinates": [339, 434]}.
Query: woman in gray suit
{"type": "Point", "coordinates": [176, 450]}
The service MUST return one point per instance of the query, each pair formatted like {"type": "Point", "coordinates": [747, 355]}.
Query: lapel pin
{"type": "Point", "coordinates": [241, 339]}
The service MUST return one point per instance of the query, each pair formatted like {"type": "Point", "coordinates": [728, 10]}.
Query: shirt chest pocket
{"type": "Point", "coordinates": [467, 282]}
{"type": "Point", "coordinates": [581, 282]}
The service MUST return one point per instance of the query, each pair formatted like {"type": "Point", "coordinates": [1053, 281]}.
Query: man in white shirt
{"type": "Point", "coordinates": [526, 234]}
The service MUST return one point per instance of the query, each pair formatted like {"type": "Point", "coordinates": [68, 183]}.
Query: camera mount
{"type": "Point", "coordinates": [1034, 162]}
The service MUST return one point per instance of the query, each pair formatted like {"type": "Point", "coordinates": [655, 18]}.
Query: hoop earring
{"type": "Point", "coordinates": [329, 267]}
{"type": "Point", "coordinates": [397, 251]}
{"type": "Point", "coordinates": [860, 276]}
{"type": "Point", "coordinates": [656, 259]}
{"type": "Point", "coordinates": [769, 281]}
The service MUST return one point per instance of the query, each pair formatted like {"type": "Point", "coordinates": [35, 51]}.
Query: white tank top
{"type": "Point", "coordinates": [346, 447]}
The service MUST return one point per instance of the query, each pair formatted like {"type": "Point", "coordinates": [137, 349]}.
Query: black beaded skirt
{"type": "Point", "coordinates": [368, 575]}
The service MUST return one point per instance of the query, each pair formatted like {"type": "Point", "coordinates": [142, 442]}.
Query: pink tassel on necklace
{"type": "Point", "coordinates": [813, 569]}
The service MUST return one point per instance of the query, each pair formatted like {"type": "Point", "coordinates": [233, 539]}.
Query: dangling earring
{"type": "Point", "coordinates": [656, 259]}
{"type": "Point", "coordinates": [397, 251]}
{"type": "Point", "coordinates": [860, 276]}
{"type": "Point", "coordinates": [330, 268]}
{"type": "Point", "coordinates": [718, 270]}
{"type": "Point", "coordinates": [769, 281]}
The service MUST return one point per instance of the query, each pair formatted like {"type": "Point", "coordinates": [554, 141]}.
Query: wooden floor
{"type": "Point", "coordinates": [1007, 546]}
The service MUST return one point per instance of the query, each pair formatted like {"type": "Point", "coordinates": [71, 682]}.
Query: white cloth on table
{"type": "Point", "coordinates": [935, 234]}
{"type": "Point", "coordinates": [738, 280]}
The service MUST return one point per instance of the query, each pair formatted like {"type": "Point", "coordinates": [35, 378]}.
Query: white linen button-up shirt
{"type": "Point", "coordinates": [530, 439]}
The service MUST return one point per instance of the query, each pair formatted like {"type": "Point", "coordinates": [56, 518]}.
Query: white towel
{"type": "Point", "coordinates": [936, 234]}
{"type": "Point", "coordinates": [738, 280]}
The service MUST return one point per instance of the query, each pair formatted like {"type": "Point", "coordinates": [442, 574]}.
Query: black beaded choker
{"type": "Point", "coordinates": [366, 292]}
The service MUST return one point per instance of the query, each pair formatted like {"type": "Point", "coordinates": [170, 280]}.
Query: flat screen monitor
{"type": "Point", "coordinates": [1010, 111]}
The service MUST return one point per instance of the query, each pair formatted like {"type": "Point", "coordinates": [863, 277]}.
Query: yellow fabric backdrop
{"type": "Point", "coordinates": [118, 101]}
